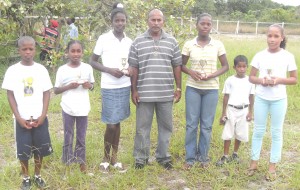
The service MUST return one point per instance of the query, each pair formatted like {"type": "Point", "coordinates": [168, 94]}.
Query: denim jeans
{"type": "Point", "coordinates": [200, 107]}
{"type": "Point", "coordinates": [277, 110]}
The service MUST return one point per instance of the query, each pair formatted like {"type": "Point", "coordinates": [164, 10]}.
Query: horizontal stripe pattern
{"type": "Point", "coordinates": [155, 61]}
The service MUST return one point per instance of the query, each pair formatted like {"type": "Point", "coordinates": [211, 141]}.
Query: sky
{"type": "Point", "coordinates": [288, 2]}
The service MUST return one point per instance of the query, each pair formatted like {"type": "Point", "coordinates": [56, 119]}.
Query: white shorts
{"type": "Point", "coordinates": [236, 125]}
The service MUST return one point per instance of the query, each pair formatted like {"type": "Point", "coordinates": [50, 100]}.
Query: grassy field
{"type": "Point", "coordinates": [153, 176]}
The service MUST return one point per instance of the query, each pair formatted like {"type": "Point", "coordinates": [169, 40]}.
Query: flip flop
{"type": "Point", "coordinates": [271, 176]}
{"type": "Point", "coordinates": [251, 171]}
{"type": "Point", "coordinates": [104, 167]}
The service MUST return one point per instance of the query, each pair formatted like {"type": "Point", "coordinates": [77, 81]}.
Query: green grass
{"type": "Point", "coordinates": [153, 176]}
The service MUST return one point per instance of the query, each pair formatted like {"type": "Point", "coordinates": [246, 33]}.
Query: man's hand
{"type": "Point", "coordinates": [177, 95]}
{"type": "Point", "coordinates": [135, 98]}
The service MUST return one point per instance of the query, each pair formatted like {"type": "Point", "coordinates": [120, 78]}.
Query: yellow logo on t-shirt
{"type": "Point", "coordinates": [28, 90]}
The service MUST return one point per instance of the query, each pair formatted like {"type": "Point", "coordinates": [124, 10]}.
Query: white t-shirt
{"type": "Point", "coordinates": [239, 90]}
{"type": "Point", "coordinates": [112, 50]}
{"type": "Point", "coordinates": [279, 63]}
{"type": "Point", "coordinates": [75, 102]}
{"type": "Point", "coordinates": [28, 84]}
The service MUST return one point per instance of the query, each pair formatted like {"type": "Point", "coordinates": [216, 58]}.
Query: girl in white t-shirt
{"type": "Point", "coordinates": [271, 65]}
{"type": "Point", "coordinates": [113, 48]}
{"type": "Point", "coordinates": [73, 81]}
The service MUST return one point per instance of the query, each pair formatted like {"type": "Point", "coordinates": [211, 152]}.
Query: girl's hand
{"type": "Point", "coordinates": [115, 72]}
{"type": "Point", "coordinates": [269, 81]}
{"type": "Point", "coordinates": [87, 85]}
{"type": "Point", "coordinates": [195, 75]}
{"type": "Point", "coordinates": [73, 85]}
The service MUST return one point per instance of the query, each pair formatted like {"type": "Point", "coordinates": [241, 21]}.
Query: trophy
{"type": "Point", "coordinates": [80, 80]}
{"type": "Point", "coordinates": [124, 64]}
{"type": "Point", "coordinates": [269, 73]}
{"type": "Point", "coordinates": [202, 63]}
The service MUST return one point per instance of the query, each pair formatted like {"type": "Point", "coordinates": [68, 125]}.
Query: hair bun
{"type": "Point", "coordinates": [118, 5]}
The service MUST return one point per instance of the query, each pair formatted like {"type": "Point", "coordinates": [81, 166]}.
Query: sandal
{"type": "Point", "coordinates": [187, 166]}
{"type": "Point", "coordinates": [104, 167]}
{"type": "Point", "coordinates": [118, 166]}
{"type": "Point", "coordinates": [271, 176]}
{"type": "Point", "coordinates": [251, 171]}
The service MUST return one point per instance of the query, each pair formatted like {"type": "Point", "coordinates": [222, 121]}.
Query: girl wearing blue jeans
{"type": "Point", "coordinates": [202, 89]}
{"type": "Point", "coordinates": [272, 64]}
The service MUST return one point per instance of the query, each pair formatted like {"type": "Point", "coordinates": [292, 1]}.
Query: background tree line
{"type": "Point", "coordinates": [94, 15]}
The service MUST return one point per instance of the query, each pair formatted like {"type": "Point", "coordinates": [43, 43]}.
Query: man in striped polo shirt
{"type": "Point", "coordinates": [155, 60]}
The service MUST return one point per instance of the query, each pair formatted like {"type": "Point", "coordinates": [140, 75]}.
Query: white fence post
{"type": "Point", "coordinates": [256, 28]}
{"type": "Point", "coordinates": [217, 26]}
{"type": "Point", "coordinates": [237, 27]}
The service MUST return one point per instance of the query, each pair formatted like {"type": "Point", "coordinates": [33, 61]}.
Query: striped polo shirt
{"type": "Point", "coordinates": [50, 36]}
{"type": "Point", "coordinates": [203, 59]}
{"type": "Point", "coordinates": [155, 60]}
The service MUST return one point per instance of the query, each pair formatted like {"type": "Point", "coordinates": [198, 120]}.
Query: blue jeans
{"type": "Point", "coordinates": [277, 110]}
{"type": "Point", "coordinates": [200, 107]}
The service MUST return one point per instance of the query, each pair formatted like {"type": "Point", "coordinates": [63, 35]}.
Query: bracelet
{"type": "Point", "coordinates": [178, 89]}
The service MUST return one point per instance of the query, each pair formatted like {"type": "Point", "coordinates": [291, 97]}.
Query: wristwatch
{"type": "Point", "coordinates": [92, 88]}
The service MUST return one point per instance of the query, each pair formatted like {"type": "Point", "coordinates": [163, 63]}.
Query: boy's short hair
{"type": "Point", "coordinates": [240, 58]}
{"type": "Point", "coordinates": [24, 39]}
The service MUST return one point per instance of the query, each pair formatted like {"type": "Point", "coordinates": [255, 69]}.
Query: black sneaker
{"type": "Point", "coordinates": [223, 160]}
{"type": "Point", "coordinates": [168, 165]}
{"type": "Point", "coordinates": [139, 166]}
{"type": "Point", "coordinates": [39, 182]}
{"type": "Point", "coordinates": [235, 158]}
{"type": "Point", "coordinates": [26, 184]}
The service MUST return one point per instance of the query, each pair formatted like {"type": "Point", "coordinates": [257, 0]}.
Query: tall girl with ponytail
{"type": "Point", "coordinates": [113, 47]}
{"type": "Point", "coordinates": [272, 69]}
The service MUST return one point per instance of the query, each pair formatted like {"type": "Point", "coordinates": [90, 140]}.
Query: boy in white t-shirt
{"type": "Point", "coordinates": [28, 90]}
{"type": "Point", "coordinates": [237, 109]}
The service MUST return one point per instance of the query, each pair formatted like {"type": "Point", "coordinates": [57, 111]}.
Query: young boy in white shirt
{"type": "Point", "coordinates": [237, 109]}
{"type": "Point", "coordinates": [28, 90]}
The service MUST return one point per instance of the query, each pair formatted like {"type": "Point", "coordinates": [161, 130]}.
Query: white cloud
{"type": "Point", "coordinates": [288, 2]}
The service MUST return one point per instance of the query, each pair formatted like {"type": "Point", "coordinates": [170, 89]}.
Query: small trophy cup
{"type": "Point", "coordinates": [269, 73]}
{"type": "Point", "coordinates": [202, 63]}
{"type": "Point", "coordinates": [124, 68]}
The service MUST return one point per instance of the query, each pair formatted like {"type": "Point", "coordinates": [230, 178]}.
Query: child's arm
{"type": "Point", "coordinates": [251, 100]}
{"type": "Point", "coordinates": [223, 116]}
{"type": "Point", "coordinates": [46, 99]}
{"type": "Point", "coordinates": [13, 106]}
{"type": "Point", "coordinates": [100, 67]}
{"type": "Point", "coordinates": [59, 90]}
{"type": "Point", "coordinates": [292, 79]}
